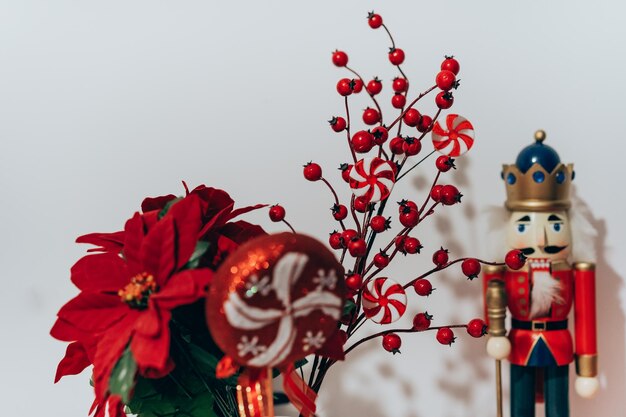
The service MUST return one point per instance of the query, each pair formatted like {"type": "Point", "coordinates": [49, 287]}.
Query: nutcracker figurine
{"type": "Point", "coordinates": [540, 296]}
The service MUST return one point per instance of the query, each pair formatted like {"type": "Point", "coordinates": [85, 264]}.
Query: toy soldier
{"type": "Point", "coordinates": [540, 296]}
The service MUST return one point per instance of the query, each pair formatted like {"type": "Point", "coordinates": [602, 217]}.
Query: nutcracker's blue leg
{"type": "Point", "coordinates": [556, 391]}
{"type": "Point", "coordinates": [522, 391]}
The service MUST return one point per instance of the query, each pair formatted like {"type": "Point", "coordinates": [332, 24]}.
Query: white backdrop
{"type": "Point", "coordinates": [102, 103]}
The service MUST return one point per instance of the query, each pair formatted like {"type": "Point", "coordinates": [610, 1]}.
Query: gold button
{"type": "Point", "coordinates": [522, 301]}
{"type": "Point", "coordinates": [523, 311]}
{"type": "Point", "coordinates": [521, 291]}
{"type": "Point", "coordinates": [520, 279]}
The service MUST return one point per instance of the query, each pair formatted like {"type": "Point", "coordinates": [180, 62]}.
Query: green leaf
{"type": "Point", "coordinates": [201, 247]}
{"type": "Point", "coordinates": [122, 378]}
{"type": "Point", "coordinates": [167, 207]}
{"type": "Point", "coordinates": [207, 364]}
{"type": "Point", "coordinates": [348, 307]}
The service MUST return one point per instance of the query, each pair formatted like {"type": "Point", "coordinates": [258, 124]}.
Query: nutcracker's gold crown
{"type": "Point", "coordinates": [538, 181]}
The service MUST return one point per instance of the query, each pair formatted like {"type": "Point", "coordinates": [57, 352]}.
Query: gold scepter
{"type": "Point", "coordinates": [496, 313]}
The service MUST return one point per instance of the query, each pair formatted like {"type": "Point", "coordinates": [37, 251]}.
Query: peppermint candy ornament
{"type": "Point", "coordinates": [384, 300]}
{"type": "Point", "coordinates": [456, 138]}
{"type": "Point", "coordinates": [372, 179]}
{"type": "Point", "coordinates": [275, 300]}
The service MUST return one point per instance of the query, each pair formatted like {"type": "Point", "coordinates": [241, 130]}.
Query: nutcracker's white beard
{"type": "Point", "coordinates": [546, 290]}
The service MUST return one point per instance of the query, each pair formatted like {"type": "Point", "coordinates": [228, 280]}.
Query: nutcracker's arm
{"type": "Point", "coordinates": [585, 319]}
{"type": "Point", "coordinates": [498, 346]}
{"type": "Point", "coordinates": [490, 273]}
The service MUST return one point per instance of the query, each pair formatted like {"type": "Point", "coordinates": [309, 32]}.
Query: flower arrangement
{"type": "Point", "coordinates": [141, 315]}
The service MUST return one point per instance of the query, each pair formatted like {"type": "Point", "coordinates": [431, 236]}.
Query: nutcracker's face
{"type": "Point", "coordinates": [540, 235]}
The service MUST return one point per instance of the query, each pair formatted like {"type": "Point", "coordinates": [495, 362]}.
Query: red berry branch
{"type": "Point", "coordinates": [371, 296]}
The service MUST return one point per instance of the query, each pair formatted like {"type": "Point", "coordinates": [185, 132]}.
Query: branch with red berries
{"type": "Point", "coordinates": [371, 178]}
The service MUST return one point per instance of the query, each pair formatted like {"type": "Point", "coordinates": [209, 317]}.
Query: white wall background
{"type": "Point", "coordinates": [102, 103]}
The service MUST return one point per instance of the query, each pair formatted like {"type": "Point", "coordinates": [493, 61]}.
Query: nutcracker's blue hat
{"type": "Point", "coordinates": [538, 181]}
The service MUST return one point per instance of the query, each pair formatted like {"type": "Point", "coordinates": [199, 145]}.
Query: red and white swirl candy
{"type": "Point", "coordinates": [456, 138]}
{"type": "Point", "coordinates": [372, 179]}
{"type": "Point", "coordinates": [384, 300]}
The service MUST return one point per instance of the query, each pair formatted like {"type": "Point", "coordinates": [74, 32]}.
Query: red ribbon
{"type": "Point", "coordinates": [299, 393]}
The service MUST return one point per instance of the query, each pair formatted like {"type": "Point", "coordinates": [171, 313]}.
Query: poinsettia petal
{"type": "Point", "coordinates": [149, 321]}
{"type": "Point", "coordinates": [158, 250]}
{"type": "Point", "coordinates": [158, 373]}
{"type": "Point", "coordinates": [134, 232]}
{"type": "Point", "coordinates": [150, 218]}
{"type": "Point", "coordinates": [188, 222]}
{"type": "Point", "coordinates": [216, 205]}
{"type": "Point", "coordinates": [109, 350]}
{"type": "Point", "coordinates": [183, 288]}
{"type": "Point", "coordinates": [153, 352]}
{"type": "Point", "coordinates": [241, 231]}
{"type": "Point", "coordinates": [93, 312]}
{"type": "Point", "coordinates": [74, 362]}
{"type": "Point", "coordinates": [65, 331]}
{"type": "Point", "coordinates": [156, 203]}
{"type": "Point", "coordinates": [103, 272]}
{"type": "Point", "coordinates": [106, 242]}
{"type": "Point", "coordinates": [244, 210]}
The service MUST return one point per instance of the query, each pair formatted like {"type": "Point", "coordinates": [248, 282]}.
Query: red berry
{"type": "Point", "coordinates": [445, 336]}
{"type": "Point", "coordinates": [340, 58]}
{"type": "Point", "coordinates": [371, 116]}
{"type": "Point", "coordinates": [444, 163]}
{"type": "Point", "coordinates": [403, 204]}
{"type": "Point", "coordinates": [425, 124]}
{"type": "Point", "coordinates": [411, 146]}
{"type": "Point", "coordinates": [360, 204]}
{"type": "Point", "coordinates": [345, 86]}
{"type": "Point", "coordinates": [435, 193]}
{"type": "Point", "coordinates": [374, 20]}
{"type": "Point", "coordinates": [444, 100]}
{"type": "Point", "coordinates": [312, 171]}
{"type": "Point", "coordinates": [347, 235]}
{"type": "Point", "coordinates": [400, 85]}
{"type": "Point", "coordinates": [380, 134]}
{"type": "Point", "coordinates": [374, 86]}
{"type": "Point", "coordinates": [400, 241]}
{"type": "Point", "coordinates": [398, 100]}
{"type": "Point", "coordinates": [446, 80]}
{"type": "Point", "coordinates": [421, 321]}
{"type": "Point", "coordinates": [409, 217]}
{"type": "Point", "coordinates": [471, 268]}
{"type": "Point", "coordinates": [335, 240]}
{"type": "Point", "coordinates": [338, 123]}
{"type": "Point", "coordinates": [345, 171]}
{"type": "Point", "coordinates": [362, 141]}
{"type": "Point", "coordinates": [357, 247]}
{"type": "Point", "coordinates": [423, 287]}
{"type": "Point", "coordinates": [412, 117]}
{"type": "Point", "coordinates": [381, 260]}
{"type": "Point", "coordinates": [450, 195]}
{"type": "Point", "coordinates": [396, 56]}
{"type": "Point", "coordinates": [358, 86]}
{"type": "Point", "coordinates": [515, 259]}
{"type": "Point", "coordinates": [412, 245]}
{"type": "Point", "coordinates": [476, 328]}
{"type": "Point", "coordinates": [379, 224]}
{"type": "Point", "coordinates": [451, 64]}
{"type": "Point", "coordinates": [396, 145]}
{"type": "Point", "coordinates": [277, 213]}
{"type": "Point", "coordinates": [340, 211]}
{"type": "Point", "coordinates": [354, 282]}
{"type": "Point", "coordinates": [392, 343]}
{"type": "Point", "coordinates": [440, 258]}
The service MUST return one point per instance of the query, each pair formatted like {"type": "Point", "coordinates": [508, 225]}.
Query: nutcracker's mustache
{"type": "Point", "coordinates": [547, 249]}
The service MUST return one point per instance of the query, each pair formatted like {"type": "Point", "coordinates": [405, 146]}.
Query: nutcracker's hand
{"type": "Point", "coordinates": [586, 386]}
{"type": "Point", "coordinates": [498, 347]}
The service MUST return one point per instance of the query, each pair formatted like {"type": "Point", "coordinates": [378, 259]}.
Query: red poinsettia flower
{"type": "Point", "coordinates": [127, 300]}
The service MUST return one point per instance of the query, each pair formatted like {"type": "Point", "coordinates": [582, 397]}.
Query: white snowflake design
{"type": "Point", "coordinates": [324, 281]}
{"type": "Point", "coordinates": [312, 342]}
{"type": "Point", "coordinates": [255, 285]}
{"type": "Point", "coordinates": [246, 346]}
